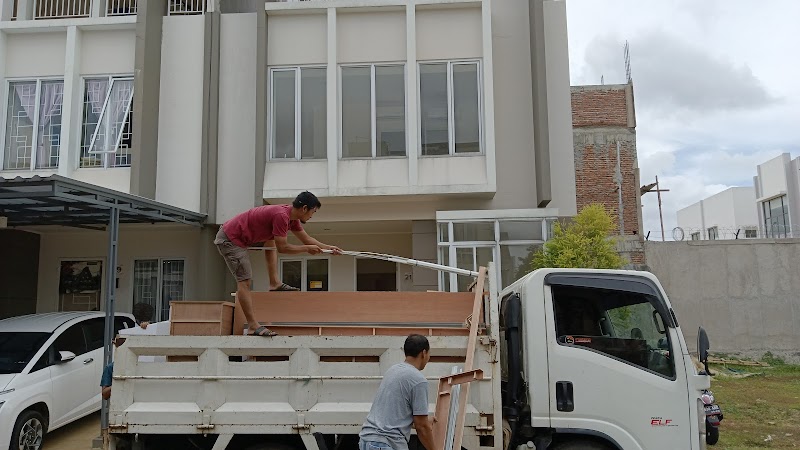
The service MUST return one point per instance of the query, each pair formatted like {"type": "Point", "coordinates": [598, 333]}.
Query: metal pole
{"type": "Point", "coordinates": [660, 216]}
{"type": "Point", "coordinates": [618, 179]}
{"type": "Point", "coordinates": [110, 275]}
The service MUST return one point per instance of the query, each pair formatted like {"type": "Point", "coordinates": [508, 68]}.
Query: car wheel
{"type": "Point", "coordinates": [29, 431]}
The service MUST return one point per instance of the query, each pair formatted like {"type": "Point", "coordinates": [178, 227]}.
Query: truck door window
{"type": "Point", "coordinates": [622, 325]}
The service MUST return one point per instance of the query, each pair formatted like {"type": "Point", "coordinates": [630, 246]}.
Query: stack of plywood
{"type": "Point", "coordinates": [190, 318]}
{"type": "Point", "coordinates": [360, 313]}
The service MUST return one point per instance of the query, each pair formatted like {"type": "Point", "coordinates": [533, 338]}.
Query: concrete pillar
{"type": "Point", "coordinates": [488, 95]}
{"type": "Point", "coordinates": [24, 9]}
{"type": "Point", "coordinates": [541, 147]}
{"type": "Point", "coordinates": [423, 248]}
{"type": "Point", "coordinates": [332, 104]}
{"type": "Point", "coordinates": [210, 143]}
{"type": "Point", "coordinates": [260, 164]}
{"type": "Point", "coordinates": [6, 10]}
{"type": "Point", "coordinates": [71, 106]}
{"type": "Point", "coordinates": [412, 94]}
{"type": "Point", "coordinates": [98, 8]}
{"type": "Point", "coordinates": [147, 87]}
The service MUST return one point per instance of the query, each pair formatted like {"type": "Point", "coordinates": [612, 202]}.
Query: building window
{"type": "Point", "coordinates": [510, 243]}
{"type": "Point", "coordinates": [750, 233]}
{"type": "Point", "coordinates": [107, 130]}
{"type": "Point", "coordinates": [695, 236]}
{"type": "Point", "coordinates": [158, 282]}
{"type": "Point", "coordinates": [776, 217]}
{"type": "Point", "coordinates": [713, 233]}
{"type": "Point", "coordinates": [309, 274]}
{"type": "Point", "coordinates": [33, 125]}
{"type": "Point", "coordinates": [373, 111]}
{"type": "Point", "coordinates": [299, 125]}
{"type": "Point", "coordinates": [375, 275]}
{"type": "Point", "coordinates": [450, 108]}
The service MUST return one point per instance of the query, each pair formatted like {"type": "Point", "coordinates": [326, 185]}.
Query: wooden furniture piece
{"type": "Point", "coordinates": [361, 313]}
{"type": "Point", "coordinates": [191, 318]}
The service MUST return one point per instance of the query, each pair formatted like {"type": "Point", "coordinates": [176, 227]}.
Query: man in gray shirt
{"type": "Point", "coordinates": [402, 399]}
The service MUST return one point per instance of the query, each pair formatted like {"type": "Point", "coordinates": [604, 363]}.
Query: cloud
{"type": "Point", "coordinates": [675, 75]}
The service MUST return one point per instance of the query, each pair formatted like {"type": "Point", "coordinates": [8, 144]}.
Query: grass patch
{"type": "Point", "coordinates": [761, 405]}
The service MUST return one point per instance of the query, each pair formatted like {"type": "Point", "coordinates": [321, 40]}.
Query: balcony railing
{"type": "Point", "coordinates": [67, 9]}
{"type": "Point", "coordinates": [121, 7]}
{"type": "Point", "coordinates": [61, 9]}
{"type": "Point", "coordinates": [186, 7]}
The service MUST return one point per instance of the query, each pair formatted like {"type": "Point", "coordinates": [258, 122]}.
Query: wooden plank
{"type": "Point", "coordinates": [193, 318]}
{"type": "Point", "coordinates": [443, 400]}
{"type": "Point", "coordinates": [477, 307]}
{"type": "Point", "coordinates": [357, 307]}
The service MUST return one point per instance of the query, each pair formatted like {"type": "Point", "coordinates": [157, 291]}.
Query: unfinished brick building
{"type": "Point", "coordinates": [603, 116]}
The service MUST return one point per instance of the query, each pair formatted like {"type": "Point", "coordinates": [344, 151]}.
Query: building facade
{"type": "Point", "coordinates": [777, 192]}
{"type": "Point", "coordinates": [432, 129]}
{"type": "Point", "coordinates": [730, 214]}
{"type": "Point", "coordinates": [606, 162]}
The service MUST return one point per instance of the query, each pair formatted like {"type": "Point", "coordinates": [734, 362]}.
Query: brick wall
{"type": "Point", "coordinates": [600, 119]}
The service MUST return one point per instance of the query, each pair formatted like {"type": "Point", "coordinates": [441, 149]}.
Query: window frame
{"type": "Point", "coordinates": [159, 306]}
{"type": "Point", "coordinates": [753, 230]}
{"type": "Point", "coordinates": [105, 155]}
{"type": "Point", "coordinates": [713, 233]}
{"type": "Point", "coordinates": [550, 294]}
{"type": "Point", "coordinates": [451, 131]}
{"type": "Point", "coordinates": [298, 113]}
{"type": "Point", "coordinates": [304, 269]}
{"type": "Point", "coordinates": [6, 97]}
{"type": "Point", "coordinates": [770, 231]}
{"type": "Point", "coordinates": [373, 109]}
{"type": "Point", "coordinates": [450, 280]}
{"type": "Point", "coordinates": [695, 236]}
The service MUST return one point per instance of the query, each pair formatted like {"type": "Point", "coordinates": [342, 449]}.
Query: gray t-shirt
{"type": "Point", "coordinates": [403, 393]}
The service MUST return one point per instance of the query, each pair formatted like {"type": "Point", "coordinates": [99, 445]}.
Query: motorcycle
{"type": "Point", "coordinates": [713, 417]}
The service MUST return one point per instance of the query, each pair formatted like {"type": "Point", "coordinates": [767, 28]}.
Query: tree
{"type": "Point", "coordinates": [583, 243]}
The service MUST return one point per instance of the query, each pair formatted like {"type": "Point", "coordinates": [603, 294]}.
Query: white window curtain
{"type": "Point", "coordinates": [33, 121]}
{"type": "Point", "coordinates": [113, 117]}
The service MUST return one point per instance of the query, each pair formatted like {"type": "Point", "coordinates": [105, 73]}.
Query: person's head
{"type": "Point", "coordinates": [143, 312]}
{"type": "Point", "coordinates": [417, 350]}
{"type": "Point", "coordinates": [307, 204]}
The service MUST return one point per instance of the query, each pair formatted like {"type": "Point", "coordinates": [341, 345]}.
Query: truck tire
{"type": "Point", "coordinates": [29, 431]}
{"type": "Point", "coordinates": [582, 445]}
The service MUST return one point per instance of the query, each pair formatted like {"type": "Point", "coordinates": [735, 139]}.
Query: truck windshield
{"type": "Point", "coordinates": [17, 349]}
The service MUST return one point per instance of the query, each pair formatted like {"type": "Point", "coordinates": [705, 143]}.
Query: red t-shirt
{"type": "Point", "coordinates": [260, 224]}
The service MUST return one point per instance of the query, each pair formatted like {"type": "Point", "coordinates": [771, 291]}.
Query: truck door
{"type": "Point", "coordinates": [615, 364]}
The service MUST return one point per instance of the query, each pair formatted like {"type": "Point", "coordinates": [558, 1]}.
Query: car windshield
{"type": "Point", "coordinates": [17, 349]}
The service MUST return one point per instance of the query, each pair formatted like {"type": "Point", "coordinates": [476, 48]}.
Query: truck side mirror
{"type": "Point", "coordinates": [702, 348]}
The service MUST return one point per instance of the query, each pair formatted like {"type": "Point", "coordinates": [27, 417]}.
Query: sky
{"type": "Point", "coordinates": [716, 88]}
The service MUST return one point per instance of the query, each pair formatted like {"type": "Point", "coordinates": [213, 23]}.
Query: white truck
{"type": "Point", "coordinates": [571, 359]}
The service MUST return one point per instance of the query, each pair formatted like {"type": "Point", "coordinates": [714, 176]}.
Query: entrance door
{"type": "Point", "coordinates": [157, 282]}
{"type": "Point", "coordinates": [19, 272]}
{"type": "Point", "coordinates": [615, 368]}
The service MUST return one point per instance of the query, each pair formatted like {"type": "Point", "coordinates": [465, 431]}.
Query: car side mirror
{"type": "Point", "coordinates": [65, 356]}
{"type": "Point", "coordinates": [702, 348]}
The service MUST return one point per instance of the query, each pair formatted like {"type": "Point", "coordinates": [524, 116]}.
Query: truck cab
{"type": "Point", "coordinates": [595, 359]}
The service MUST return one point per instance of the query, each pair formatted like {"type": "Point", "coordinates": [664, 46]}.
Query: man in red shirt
{"type": "Point", "coordinates": [269, 225]}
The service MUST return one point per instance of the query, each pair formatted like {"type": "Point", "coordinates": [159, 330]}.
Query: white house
{"type": "Point", "coordinates": [433, 129]}
{"type": "Point", "coordinates": [777, 189]}
{"type": "Point", "coordinates": [730, 214]}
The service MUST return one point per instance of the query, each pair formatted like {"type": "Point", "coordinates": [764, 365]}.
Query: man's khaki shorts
{"type": "Point", "coordinates": [236, 258]}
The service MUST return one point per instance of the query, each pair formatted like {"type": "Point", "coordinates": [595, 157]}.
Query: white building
{"type": "Point", "coordinates": [433, 129]}
{"type": "Point", "coordinates": [777, 189]}
{"type": "Point", "coordinates": [730, 214]}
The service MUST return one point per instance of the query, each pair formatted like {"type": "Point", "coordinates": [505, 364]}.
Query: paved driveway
{"type": "Point", "coordinates": [76, 436]}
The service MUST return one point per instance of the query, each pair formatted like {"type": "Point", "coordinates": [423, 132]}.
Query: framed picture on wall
{"type": "Point", "coordinates": [80, 284]}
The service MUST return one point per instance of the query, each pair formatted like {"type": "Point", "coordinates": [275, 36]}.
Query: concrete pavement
{"type": "Point", "coordinates": [76, 436]}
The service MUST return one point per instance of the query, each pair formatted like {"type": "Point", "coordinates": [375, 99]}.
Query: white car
{"type": "Point", "coordinates": [50, 369]}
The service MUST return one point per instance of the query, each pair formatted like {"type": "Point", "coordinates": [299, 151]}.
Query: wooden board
{"type": "Point", "coordinates": [191, 318]}
{"type": "Point", "coordinates": [340, 313]}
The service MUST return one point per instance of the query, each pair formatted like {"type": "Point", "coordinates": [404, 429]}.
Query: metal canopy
{"type": "Point", "coordinates": [57, 200]}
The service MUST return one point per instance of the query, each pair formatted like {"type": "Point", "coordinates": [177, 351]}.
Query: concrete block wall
{"type": "Point", "coordinates": [744, 293]}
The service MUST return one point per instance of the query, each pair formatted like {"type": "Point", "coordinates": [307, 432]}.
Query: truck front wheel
{"type": "Point", "coordinates": [271, 446]}
{"type": "Point", "coordinates": [582, 445]}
